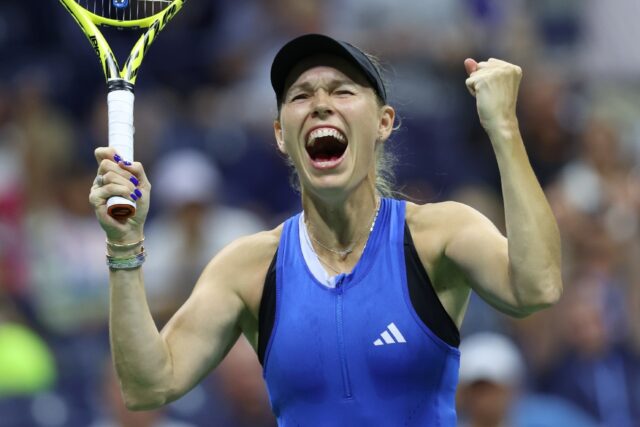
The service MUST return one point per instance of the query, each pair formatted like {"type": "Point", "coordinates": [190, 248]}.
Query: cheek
{"type": "Point", "coordinates": [293, 150]}
{"type": "Point", "coordinates": [287, 134]}
{"type": "Point", "coordinates": [366, 120]}
{"type": "Point", "coordinates": [367, 140]}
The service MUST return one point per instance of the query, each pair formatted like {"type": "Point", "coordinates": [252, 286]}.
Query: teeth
{"type": "Point", "coordinates": [322, 132]}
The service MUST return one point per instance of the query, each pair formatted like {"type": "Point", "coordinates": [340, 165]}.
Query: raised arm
{"type": "Point", "coordinates": [462, 249]}
{"type": "Point", "coordinates": [529, 277]}
{"type": "Point", "coordinates": [157, 367]}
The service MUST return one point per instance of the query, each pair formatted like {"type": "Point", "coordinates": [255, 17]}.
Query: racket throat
{"type": "Point", "coordinates": [119, 84]}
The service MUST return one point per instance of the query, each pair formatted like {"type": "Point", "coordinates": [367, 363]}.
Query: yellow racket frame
{"type": "Point", "coordinates": [89, 23]}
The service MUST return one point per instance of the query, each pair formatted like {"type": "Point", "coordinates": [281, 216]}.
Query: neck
{"type": "Point", "coordinates": [340, 227]}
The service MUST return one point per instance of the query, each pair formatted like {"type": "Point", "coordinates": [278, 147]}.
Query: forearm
{"type": "Point", "coordinates": [141, 357]}
{"type": "Point", "coordinates": [532, 231]}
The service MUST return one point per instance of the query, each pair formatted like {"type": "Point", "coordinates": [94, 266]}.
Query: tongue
{"type": "Point", "coordinates": [326, 149]}
{"type": "Point", "coordinates": [326, 157]}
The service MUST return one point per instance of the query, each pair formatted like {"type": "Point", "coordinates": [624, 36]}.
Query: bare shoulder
{"type": "Point", "coordinates": [441, 213]}
{"type": "Point", "coordinates": [243, 265]}
{"type": "Point", "coordinates": [445, 219]}
{"type": "Point", "coordinates": [436, 222]}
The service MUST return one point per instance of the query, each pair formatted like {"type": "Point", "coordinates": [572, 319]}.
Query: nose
{"type": "Point", "coordinates": [321, 106]}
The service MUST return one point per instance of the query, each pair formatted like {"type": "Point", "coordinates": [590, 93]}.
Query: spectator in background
{"type": "Point", "coordinates": [68, 291]}
{"type": "Point", "coordinates": [244, 396]}
{"type": "Point", "coordinates": [13, 269]}
{"type": "Point", "coordinates": [596, 200]}
{"type": "Point", "coordinates": [492, 390]}
{"type": "Point", "coordinates": [67, 285]}
{"type": "Point", "coordinates": [596, 192]}
{"type": "Point", "coordinates": [193, 224]}
{"type": "Point", "coordinates": [26, 363]}
{"type": "Point", "coordinates": [547, 124]}
{"type": "Point", "coordinates": [598, 371]}
{"type": "Point", "coordinates": [46, 135]}
{"type": "Point", "coordinates": [27, 366]}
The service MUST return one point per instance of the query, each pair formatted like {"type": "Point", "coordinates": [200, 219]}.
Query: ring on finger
{"type": "Point", "coordinates": [99, 181]}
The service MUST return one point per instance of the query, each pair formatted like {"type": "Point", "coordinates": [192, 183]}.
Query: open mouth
{"type": "Point", "coordinates": [326, 144]}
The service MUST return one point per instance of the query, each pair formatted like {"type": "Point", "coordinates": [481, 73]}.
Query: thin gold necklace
{"type": "Point", "coordinates": [325, 263]}
{"type": "Point", "coordinates": [343, 253]}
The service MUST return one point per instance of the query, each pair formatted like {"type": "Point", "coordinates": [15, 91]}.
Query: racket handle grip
{"type": "Point", "coordinates": [120, 112]}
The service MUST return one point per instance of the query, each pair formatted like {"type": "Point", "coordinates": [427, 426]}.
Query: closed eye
{"type": "Point", "coordinates": [299, 96]}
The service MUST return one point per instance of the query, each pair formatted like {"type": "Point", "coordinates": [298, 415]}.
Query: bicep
{"type": "Point", "coordinates": [203, 330]}
{"type": "Point", "coordinates": [481, 252]}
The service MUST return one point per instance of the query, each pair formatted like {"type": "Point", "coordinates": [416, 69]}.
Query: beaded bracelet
{"type": "Point", "coordinates": [126, 263]}
{"type": "Point", "coordinates": [124, 245]}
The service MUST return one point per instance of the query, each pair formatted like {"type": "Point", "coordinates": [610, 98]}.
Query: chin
{"type": "Point", "coordinates": [326, 186]}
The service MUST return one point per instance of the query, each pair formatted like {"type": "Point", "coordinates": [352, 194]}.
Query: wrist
{"type": "Point", "coordinates": [502, 129]}
{"type": "Point", "coordinates": [124, 238]}
{"type": "Point", "coordinates": [128, 262]}
{"type": "Point", "coordinates": [125, 247]}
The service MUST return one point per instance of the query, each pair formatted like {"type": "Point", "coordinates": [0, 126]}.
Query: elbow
{"type": "Point", "coordinates": [551, 288]}
{"type": "Point", "coordinates": [547, 293]}
{"type": "Point", "coordinates": [144, 400]}
{"type": "Point", "coordinates": [142, 391]}
{"type": "Point", "coordinates": [141, 404]}
{"type": "Point", "coordinates": [555, 293]}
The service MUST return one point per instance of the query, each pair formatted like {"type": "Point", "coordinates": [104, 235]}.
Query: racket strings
{"type": "Point", "coordinates": [124, 10]}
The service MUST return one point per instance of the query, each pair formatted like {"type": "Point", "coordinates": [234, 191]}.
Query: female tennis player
{"type": "Point", "coordinates": [353, 305]}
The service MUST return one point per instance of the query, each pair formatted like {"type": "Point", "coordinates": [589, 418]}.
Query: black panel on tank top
{"type": "Point", "coordinates": [267, 313]}
{"type": "Point", "coordinates": [423, 298]}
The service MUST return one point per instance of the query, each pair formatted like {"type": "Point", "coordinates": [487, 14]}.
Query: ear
{"type": "Point", "coordinates": [279, 134]}
{"type": "Point", "coordinates": [385, 124]}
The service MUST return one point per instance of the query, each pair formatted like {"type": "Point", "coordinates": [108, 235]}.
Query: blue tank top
{"type": "Point", "coordinates": [357, 354]}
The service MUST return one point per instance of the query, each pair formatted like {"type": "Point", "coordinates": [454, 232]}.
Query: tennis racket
{"type": "Point", "coordinates": [150, 16]}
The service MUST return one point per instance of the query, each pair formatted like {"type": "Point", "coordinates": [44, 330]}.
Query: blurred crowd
{"type": "Point", "coordinates": [204, 112]}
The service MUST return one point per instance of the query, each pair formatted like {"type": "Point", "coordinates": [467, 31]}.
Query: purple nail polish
{"type": "Point", "coordinates": [137, 193]}
{"type": "Point", "coordinates": [117, 158]}
{"type": "Point", "coordinates": [133, 196]}
{"type": "Point", "coordinates": [134, 180]}
{"type": "Point", "coordinates": [127, 163]}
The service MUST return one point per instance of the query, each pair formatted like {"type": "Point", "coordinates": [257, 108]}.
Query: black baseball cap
{"type": "Point", "coordinates": [313, 44]}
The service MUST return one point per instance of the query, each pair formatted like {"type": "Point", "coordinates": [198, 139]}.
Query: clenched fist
{"type": "Point", "coordinates": [495, 85]}
{"type": "Point", "coordinates": [124, 179]}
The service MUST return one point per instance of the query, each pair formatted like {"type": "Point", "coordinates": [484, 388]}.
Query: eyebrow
{"type": "Point", "coordinates": [306, 85]}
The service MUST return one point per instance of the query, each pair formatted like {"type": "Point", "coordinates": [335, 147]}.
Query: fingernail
{"type": "Point", "coordinates": [126, 163]}
{"type": "Point", "coordinates": [133, 196]}
{"type": "Point", "coordinates": [137, 193]}
{"type": "Point", "coordinates": [134, 180]}
{"type": "Point", "coordinates": [117, 158]}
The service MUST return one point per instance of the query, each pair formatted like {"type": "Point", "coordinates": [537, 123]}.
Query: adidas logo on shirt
{"type": "Point", "coordinates": [391, 335]}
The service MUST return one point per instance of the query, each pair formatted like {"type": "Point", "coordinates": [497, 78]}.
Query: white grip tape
{"type": "Point", "coordinates": [120, 111]}
{"type": "Point", "coordinates": [121, 122]}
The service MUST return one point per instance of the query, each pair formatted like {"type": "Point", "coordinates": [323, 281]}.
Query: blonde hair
{"type": "Point", "coordinates": [385, 171]}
